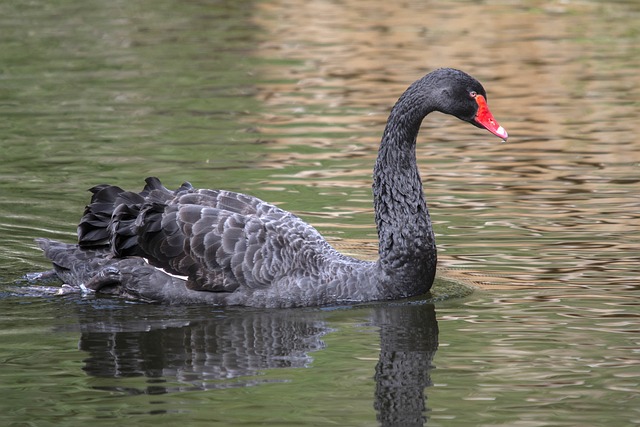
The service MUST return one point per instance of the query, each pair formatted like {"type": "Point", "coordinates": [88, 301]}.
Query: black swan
{"type": "Point", "coordinates": [224, 248]}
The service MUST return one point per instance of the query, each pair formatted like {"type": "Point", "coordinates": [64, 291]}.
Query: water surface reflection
{"type": "Point", "coordinates": [197, 348]}
{"type": "Point", "coordinates": [191, 349]}
{"type": "Point", "coordinates": [408, 344]}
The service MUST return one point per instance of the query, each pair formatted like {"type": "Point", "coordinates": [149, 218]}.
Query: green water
{"type": "Point", "coordinates": [286, 100]}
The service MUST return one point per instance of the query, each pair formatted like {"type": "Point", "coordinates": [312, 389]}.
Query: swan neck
{"type": "Point", "coordinates": [406, 240]}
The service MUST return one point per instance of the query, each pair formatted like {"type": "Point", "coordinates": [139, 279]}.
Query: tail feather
{"type": "Point", "coordinates": [93, 227]}
{"type": "Point", "coordinates": [113, 217]}
{"type": "Point", "coordinates": [122, 227]}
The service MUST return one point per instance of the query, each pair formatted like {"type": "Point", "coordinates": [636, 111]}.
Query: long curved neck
{"type": "Point", "coordinates": [407, 246]}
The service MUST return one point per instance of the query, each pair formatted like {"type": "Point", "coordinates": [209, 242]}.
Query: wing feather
{"type": "Point", "coordinates": [221, 240]}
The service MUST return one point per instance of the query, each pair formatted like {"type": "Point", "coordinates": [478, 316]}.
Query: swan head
{"type": "Point", "coordinates": [462, 96]}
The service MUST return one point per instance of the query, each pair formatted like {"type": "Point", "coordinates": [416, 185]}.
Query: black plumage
{"type": "Point", "coordinates": [234, 249]}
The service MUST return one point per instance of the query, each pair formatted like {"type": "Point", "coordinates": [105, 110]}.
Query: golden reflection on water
{"type": "Point", "coordinates": [556, 206]}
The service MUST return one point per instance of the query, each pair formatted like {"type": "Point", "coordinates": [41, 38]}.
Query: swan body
{"type": "Point", "coordinates": [224, 248]}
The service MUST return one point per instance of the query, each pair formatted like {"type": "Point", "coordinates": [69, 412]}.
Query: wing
{"type": "Point", "coordinates": [219, 239]}
{"type": "Point", "coordinates": [224, 240]}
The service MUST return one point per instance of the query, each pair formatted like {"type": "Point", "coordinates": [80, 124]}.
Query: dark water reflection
{"type": "Point", "coordinates": [179, 350]}
{"type": "Point", "coordinates": [197, 349]}
{"type": "Point", "coordinates": [408, 344]}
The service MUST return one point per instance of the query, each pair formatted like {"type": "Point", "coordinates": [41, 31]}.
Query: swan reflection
{"type": "Point", "coordinates": [408, 344]}
{"type": "Point", "coordinates": [200, 349]}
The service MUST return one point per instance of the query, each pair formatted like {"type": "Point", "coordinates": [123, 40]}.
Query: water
{"type": "Point", "coordinates": [286, 100]}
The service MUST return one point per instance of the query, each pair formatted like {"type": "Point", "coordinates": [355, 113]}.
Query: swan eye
{"type": "Point", "coordinates": [473, 94]}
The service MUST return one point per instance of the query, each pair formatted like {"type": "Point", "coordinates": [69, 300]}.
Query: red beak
{"type": "Point", "coordinates": [485, 119]}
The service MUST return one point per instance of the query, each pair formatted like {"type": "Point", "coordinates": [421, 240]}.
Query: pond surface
{"type": "Point", "coordinates": [286, 100]}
